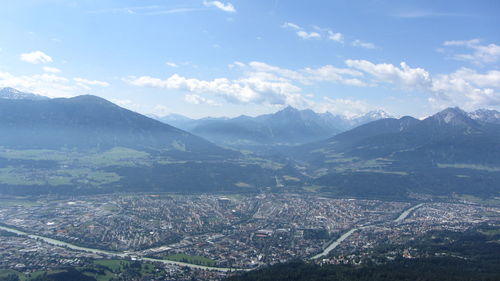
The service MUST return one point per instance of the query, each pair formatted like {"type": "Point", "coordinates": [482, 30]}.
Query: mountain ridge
{"type": "Point", "coordinates": [14, 94]}
{"type": "Point", "coordinates": [87, 122]}
{"type": "Point", "coordinates": [444, 153]}
{"type": "Point", "coordinates": [289, 126]}
{"type": "Point", "coordinates": [87, 144]}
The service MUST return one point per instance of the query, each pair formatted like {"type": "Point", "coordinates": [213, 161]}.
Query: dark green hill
{"type": "Point", "coordinates": [445, 153]}
{"type": "Point", "coordinates": [90, 122]}
{"type": "Point", "coordinates": [472, 255]}
{"type": "Point", "coordinates": [87, 144]}
{"type": "Point", "coordinates": [289, 126]}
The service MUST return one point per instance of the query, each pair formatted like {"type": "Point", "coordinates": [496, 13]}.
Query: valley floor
{"type": "Point", "coordinates": [222, 231]}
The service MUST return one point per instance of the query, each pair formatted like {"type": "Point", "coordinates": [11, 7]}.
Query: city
{"type": "Point", "coordinates": [217, 234]}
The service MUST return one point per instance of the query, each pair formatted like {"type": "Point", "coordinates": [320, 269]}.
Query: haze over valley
{"type": "Point", "coordinates": [263, 140]}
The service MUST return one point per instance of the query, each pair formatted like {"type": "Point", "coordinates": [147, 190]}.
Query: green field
{"type": "Point", "coordinates": [4, 273]}
{"type": "Point", "coordinates": [68, 167]}
{"type": "Point", "coordinates": [242, 184]}
{"type": "Point", "coordinates": [113, 265]}
{"type": "Point", "coordinates": [312, 188]}
{"type": "Point", "coordinates": [102, 270]}
{"type": "Point", "coordinates": [191, 259]}
{"type": "Point", "coordinates": [483, 201]}
{"type": "Point", "coordinates": [18, 202]}
{"type": "Point", "coordinates": [55, 177]}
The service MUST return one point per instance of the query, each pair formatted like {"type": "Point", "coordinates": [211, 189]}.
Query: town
{"type": "Point", "coordinates": [238, 232]}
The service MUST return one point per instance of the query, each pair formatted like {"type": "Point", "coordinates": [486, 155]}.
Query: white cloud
{"type": "Point", "coordinates": [236, 64]}
{"type": "Point", "coordinates": [291, 25]}
{"type": "Point", "coordinates": [223, 86]}
{"type": "Point", "coordinates": [171, 11]}
{"type": "Point", "coordinates": [329, 72]}
{"type": "Point", "coordinates": [336, 36]}
{"type": "Point", "coordinates": [482, 54]}
{"type": "Point", "coordinates": [171, 64]}
{"type": "Point", "coordinates": [253, 88]}
{"type": "Point", "coordinates": [308, 35]}
{"type": "Point", "coordinates": [404, 76]}
{"type": "Point", "coordinates": [49, 85]}
{"type": "Point", "coordinates": [346, 107]}
{"type": "Point", "coordinates": [151, 10]}
{"type": "Point", "coordinates": [491, 79]}
{"type": "Point", "coordinates": [160, 110]}
{"type": "Point", "coordinates": [317, 33]}
{"type": "Point", "coordinates": [86, 84]}
{"type": "Point", "coordinates": [335, 74]}
{"type": "Point", "coordinates": [51, 69]}
{"type": "Point", "coordinates": [36, 57]}
{"type": "Point", "coordinates": [467, 88]}
{"type": "Point", "coordinates": [125, 103]}
{"type": "Point", "coordinates": [468, 43]}
{"type": "Point", "coordinates": [308, 75]}
{"type": "Point", "coordinates": [131, 105]}
{"type": "Point", "coordinates": [261, 83]}
{"type": "Point", "coordinates": [366, 45]}
{"type": "Point", "coordinates": [285, 73]}
{"type": "Point", "coordinates": [196, 99]}
{"type": "Point", "coordinates": [224, 7]}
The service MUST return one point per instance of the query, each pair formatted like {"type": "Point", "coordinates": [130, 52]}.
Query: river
{"type": "Point", "coordinates": [335, 244]}
{"type": "Point", "coordinates": [407, 212]}
{"type": "Point", "coordinates": [113, 254]}
{"type": "Point", "coordinates": [344, 236]}
{"type": "Point", "coordinates": [55, 242]}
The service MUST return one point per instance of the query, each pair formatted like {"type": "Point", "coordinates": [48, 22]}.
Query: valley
{"type": "Point", "coordinates": [138, 197]}
{"type": "Point", "coordinates": [225, 231]}
{"type": "Point", "coordinates": [224, 140]}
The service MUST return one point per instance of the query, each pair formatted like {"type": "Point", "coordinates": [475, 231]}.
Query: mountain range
{"type": "Point", "coordinates": [446, 152]}
{"type": "Point", "coordinates": [90, 122]}
{"type": "Point", "coordinates": [87, 144]}
{"type": "Point", "coordinates": [13, 94]}
{"type": "Point", "coordinates": [288, 126]}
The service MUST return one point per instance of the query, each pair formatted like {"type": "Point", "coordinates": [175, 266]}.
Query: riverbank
{"type": "Point", "coordinates": [344, 236]}
{"type": "Point", "coordinates": [114, 254]}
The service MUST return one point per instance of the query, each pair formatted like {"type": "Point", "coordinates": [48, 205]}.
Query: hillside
{"type": "Point", "coordinates": [471, 255]}
{"type": "Point", "coordinates": [90, 122]}
{"type": "Point", "coordinates": [88, 144]}
{"type": "Point", "coordinates": [286, 127]}
{"type": "Point", "coordinates": [444, 153]}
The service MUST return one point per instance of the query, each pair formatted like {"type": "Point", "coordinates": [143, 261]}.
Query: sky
{"type": "Point", "coordinates": [226, 58]}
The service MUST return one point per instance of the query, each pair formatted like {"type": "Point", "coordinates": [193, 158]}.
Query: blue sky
{"type": "Point", "coordinates": [226, 58]}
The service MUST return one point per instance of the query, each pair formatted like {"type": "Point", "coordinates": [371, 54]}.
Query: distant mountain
{"type": "Point", "coordinates": [289, 126]}
{"type": "Point", "coordinates": [486, 115]}
{"type": "Point", "coordinates": [286, 127]}
{"type": "Point", "coordinates": [186, 123]}
{"type": "Point", "coordinates": [13, 94]}
{"type": "Point", "coordinates": [367, 118]}
{"type": "Point", "coordinates": [89, 122]}
{"type": "Point", "coordinates": [87, 144]}
{"type": "Point", "coordinates": [446, 152]}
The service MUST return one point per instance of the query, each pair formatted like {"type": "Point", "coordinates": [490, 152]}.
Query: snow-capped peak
{"type": "Point", "coordinates": [14, 94]}
{"type": "Point", "coordinates": [486, 115]}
